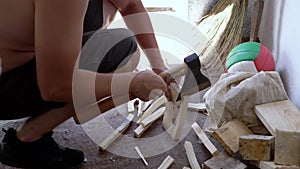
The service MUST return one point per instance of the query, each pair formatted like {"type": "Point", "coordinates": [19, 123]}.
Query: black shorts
{"type": "Point", "coordinates": [19, 93]}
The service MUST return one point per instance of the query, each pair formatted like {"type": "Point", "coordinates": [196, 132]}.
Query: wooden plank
{"type": "Point", "coordinates": [141, 155]}
{"type": "Point", "coordinates": [223, 161]}
{"type": "Point", "coordinates": [228, 135]}
{"type": "Point", "coordinates": [166, 163]}
{"type": "Point", "coordinates": [282, 115]}
{"type": "Point", "coordinates": [191, 155]}
{"type": "Point", "coordinates": [287, 148]}
{"type": "Point", "coordinates": [154, 106]}
{"type": "Point", "coordinates": [186, 168]}
{"type": "Point", "coordinates": [117, 133]}
{"type": "Point", "coordinates": [257, 147]}
{"type": "Point", "coordinates": [272, 165]}
{"type": "Point", "coordinates": [204, 139]}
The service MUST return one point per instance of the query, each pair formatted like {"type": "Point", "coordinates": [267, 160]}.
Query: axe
{"type": "Point", "coordinates": [194, 82]}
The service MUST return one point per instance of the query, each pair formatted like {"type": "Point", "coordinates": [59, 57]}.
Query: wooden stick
{"type": "Point", "coordinates": [156, 104]}
{"type": "Point", "coordinates": [153, 117]}
{"type": "Point", "coordinates": [149, 120]}
{"type": "Point", "coordinates": [170, 115]}
{"type": "Point", "coordinates": [141, 155]}
{"type": "Point", "coordinates": [110, 139]}
{"type": "Point", "coordinates": [140, 107]}
{"type": "Point", "coordinates": [191, 155]}
{"type": "Point", "coordinates": [130, 105]}
{"type": "Point", "coordinates": [175, 91]}
{"type": "Point", "coordinates": [205, 140]}
{"type": "Point", "coordinates": [140, 130]}
{"type": "Point", "coordinates": [197, 106]}
{"type": "Point", "coordinates": [177, 128]}
{"type": "Point", "coordinates": [186, 168]}
{"type": "Point", "coordinates": [146, 105]}
{"type": "Point", "coordinates": [166, 163]}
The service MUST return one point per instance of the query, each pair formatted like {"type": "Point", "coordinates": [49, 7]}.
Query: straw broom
{"type": "Point", "coordinates": [221, 30]}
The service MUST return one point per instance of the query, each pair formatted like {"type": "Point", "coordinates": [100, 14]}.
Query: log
{"type": "Point", "coordinates": [228, 135]}
{"type": "Point", "coordinates": [287, 147]}
{"type": "Point", "coordinates": [257, 147]}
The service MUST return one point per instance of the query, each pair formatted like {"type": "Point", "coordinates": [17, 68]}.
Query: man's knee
{"type": "Point", "coordinates": [120, 53]}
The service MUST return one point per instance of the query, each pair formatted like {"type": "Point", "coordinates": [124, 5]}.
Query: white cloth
{"type": "Point", "coordinates": [236, 94]}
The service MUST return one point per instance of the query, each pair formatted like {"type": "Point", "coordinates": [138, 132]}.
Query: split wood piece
{"type": "Point", "coordinates": [166, 163]}
{"type": "Point", "coordinates": [175, 91]}
{"type": "Point", "coordinates": [141, 129]}
{"type": "Point", "coordinates": [118, 132]}
{"type": "Point", "coordinates": [170, 115]}
{"type": "Point", "coordinates": [228, 135]}
{"type": "Point", "coordinates": [186, 168]}
{"type": "Point", "coordinates": [197, 106]}
{"type": "Point", "coordinates": [287, 147]}
{"type": "Point", "coordinates": [147, 104]}
{"type": "Point", "coordinates": [205, 140]}
{"type": "Point", "coordinates": [153, 117]}
{"type": "Point", "coordinates": [282, 115]}
{"type": "Point", "coordinates": [131, 105]}
{"type": "Point", "coordinates": [257, 147]}
{"type": "Point", "coordinates": [272, 165]}
{"type": "Point", "coordinates": [191, 155]}
{"type": "Point", "coordinates": [154, 106]}
{"type": "Point", "coordinates": [175, 130]}
{"type": "Point", "coordinates": [223, 161]}
{"type": "Point", "coordinates": [256, 19]}
{"type": "Point", "coordinates": [140, 107]}
{"type": "Point", "coordinates": [141, 155]}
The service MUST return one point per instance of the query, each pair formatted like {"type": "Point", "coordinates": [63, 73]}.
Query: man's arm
{"type": "Point", "coordinates": [137, 20]}
{"type": "Point", "coordinates": [58, 35]}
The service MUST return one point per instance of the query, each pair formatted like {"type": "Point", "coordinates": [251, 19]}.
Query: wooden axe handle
{"type": "Point", "coordinates": [255, 19]}
{"type": "Point", "coordinates": [111, 102]}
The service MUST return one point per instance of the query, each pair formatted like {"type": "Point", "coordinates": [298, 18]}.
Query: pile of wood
{"type": "Point", "coordinates": [279, 149]}
{"type": "Point", "coordinates": [222, 30]}
{"type": "Point", "coordinates": [242, 148]}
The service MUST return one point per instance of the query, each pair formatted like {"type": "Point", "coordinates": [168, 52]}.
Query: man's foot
{"type": "Point", "coordinates": [42, 153]}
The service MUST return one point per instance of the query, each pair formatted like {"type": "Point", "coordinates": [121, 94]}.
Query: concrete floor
{"type": "Point", "coordinates": [71, 135]}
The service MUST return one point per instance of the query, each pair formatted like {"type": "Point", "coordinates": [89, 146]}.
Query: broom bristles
{"type": "Point", "coordinates": [222, 30]}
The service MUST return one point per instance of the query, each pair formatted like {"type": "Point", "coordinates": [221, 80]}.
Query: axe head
{"type": "Point", "coordinates": [194, 80]}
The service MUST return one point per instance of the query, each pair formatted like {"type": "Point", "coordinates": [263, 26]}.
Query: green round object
{"type": "Point", "coordinates": [247, 51]}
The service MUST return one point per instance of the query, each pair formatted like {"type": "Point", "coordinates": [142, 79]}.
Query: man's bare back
{"type": "Point", "coordinates": [16, 32]}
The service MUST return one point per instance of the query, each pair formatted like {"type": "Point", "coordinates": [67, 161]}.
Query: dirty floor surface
{"type": "Point", "coordinates": [71, 135]}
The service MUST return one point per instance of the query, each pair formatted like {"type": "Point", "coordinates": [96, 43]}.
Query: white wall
{"type": "Point", "coordinates": [279, 31]}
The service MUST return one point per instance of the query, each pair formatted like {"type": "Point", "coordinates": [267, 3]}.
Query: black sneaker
{"type": "Point", "coordinates": [43, 153]}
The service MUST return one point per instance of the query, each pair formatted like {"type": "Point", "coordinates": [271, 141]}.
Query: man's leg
{"type": "Point", "coordinates": [107, 50]}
